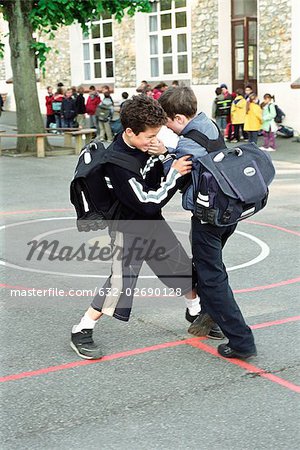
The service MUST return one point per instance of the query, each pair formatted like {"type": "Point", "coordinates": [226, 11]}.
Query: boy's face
{"type": "Point", "coordinates": [177, 124]}
{"type": "Point", "coordinates": [142, 140]}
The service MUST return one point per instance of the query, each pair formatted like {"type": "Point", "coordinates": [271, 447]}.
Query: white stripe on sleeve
{"type": "Point", "coordinates": [155, 196]}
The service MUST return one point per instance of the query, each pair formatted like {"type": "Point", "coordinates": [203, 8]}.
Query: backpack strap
{"type": "Point", "coordinates": [128, 162]}
{"type": "Point", "coordinates": [211, 145]}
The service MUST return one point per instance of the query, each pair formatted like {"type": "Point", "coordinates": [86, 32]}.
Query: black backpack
{"type": "Point", "coordinates": [223, 107]}
{"type": "Point", "coordinates": [279, 114]}
{"type": "Point", "coordinates": [94, 201]}
{"type": "Point", "coordinates": [233, 183]}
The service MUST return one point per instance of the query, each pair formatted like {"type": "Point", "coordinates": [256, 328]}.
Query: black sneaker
{"type": "Point", "coordinates": [189, 317]}
{"type": "Point", "coordinates": [228, 352]}
{"type": "Point", "coordinates": [215, 331]}
{"type": "Point", "coordinates": [82, 343]}
{"type": "Point", "coordinates": [201, 325]}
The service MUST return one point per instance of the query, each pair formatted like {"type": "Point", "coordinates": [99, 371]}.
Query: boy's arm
{"type": "Point", "coordinates": [132, 190]}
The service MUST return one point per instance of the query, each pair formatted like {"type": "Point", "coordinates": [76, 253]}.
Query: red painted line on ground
{"type": "Point", "coordinates": [86, 362]}
{"type": "Point", "coordinates": [275, 322]}
{"type": "Point", "coordinates": [267, 286]}
{"type": "Point", "coordinates": [276, 227]}
{"type": "Point", "coordinates": [249, 367]}
{"type": "Point", "coordinates": [136, 351]}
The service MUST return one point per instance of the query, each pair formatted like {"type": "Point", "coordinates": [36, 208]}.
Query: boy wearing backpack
{"type": "Point", "coordinates": [141, 197]}
{"type": "Point", "coordinates": [104, 114]}
{"type": "Point", "coordinates": [216, 297]}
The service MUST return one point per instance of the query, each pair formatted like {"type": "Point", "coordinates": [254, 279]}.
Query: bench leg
{"type": "Point", "coordinates": [0, 147]}
{"type": "Point", "coordinates": [40, 146]}
{"type": "Point", "coordinates": [89, 137]}
{"type": "Point", "coordinates": [67, 140]}
{"type": "Point", "coordinates": [78, 144]}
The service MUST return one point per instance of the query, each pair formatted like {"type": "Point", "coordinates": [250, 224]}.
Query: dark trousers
{"type": "Point", "coordinates": [253, 136]}
{"type": "Point", "coordinates": [68, 123]}
{"type": "Point", "coordinates": [50, 119]}
{"type": "Point", "coordinates": [237, 127]}
{"type": "Point", "coordinates": [213, 286]}
{"type": "Point", "coordinates": [162, 252]}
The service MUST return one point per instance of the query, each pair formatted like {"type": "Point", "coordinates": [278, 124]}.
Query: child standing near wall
{"type": "Point", "coordinates": [253, 119]}
{"type": "Point", "coordinates": [238, 114]}
{"type": "Point", "coordinates": [269, 126]}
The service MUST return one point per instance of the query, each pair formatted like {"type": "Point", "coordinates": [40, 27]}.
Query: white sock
{"type": "Point", "coordinates": [193, 305]}
{"type": "Point", "coordinates": [85, 323]}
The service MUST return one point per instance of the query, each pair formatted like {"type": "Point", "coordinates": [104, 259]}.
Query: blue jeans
{"type": "Point", "coordinates": [221, 121]}
{"type": "Point", "coordinates": [253, 135]}
{"type": "Point", "coordinates": [68, 123]}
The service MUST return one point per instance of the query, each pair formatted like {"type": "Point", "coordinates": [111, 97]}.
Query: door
{"type": "Point", "coordinates": [244, 53]}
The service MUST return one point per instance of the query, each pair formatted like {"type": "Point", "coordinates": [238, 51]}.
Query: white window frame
{"type": "Point", "coordinates": [103, 59]}
{"type": "Point", "coordinates": [173, 32]}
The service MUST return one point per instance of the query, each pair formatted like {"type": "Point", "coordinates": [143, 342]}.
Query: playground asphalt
{"type": "Point", "coordinates": [157, 387]}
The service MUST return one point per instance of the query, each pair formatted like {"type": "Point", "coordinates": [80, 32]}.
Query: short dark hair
{"type": "Point", "coordinates": [125, 95]}
{"type": "Point", "coordinates": [141, 112]}
{"type": "Point", "coordinates": [179, 100]}
{"type": "Point", "coordinates": [239, 91]}
{"type": "Point", "coordinates": [218, 91]}
{"type": "Point", "coordinates": [248, 86]}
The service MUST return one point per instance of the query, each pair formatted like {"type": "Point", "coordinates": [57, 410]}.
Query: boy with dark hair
{"type": "Point", "coordinates": [141, 198]}
{"type": "Point", "coordinates": [219, 110]}
{"type": "Point", "coordinates": [68, 110]}
{"type": "Point", "coordinates": [216, 297]}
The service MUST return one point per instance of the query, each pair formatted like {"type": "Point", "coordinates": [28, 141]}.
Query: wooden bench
{"type": "Point", "coordinates": [40, 140]}
{"type": "Point", "coordinates": [67, 137]}
{"type": "Point", "coordinates": [89, 133]}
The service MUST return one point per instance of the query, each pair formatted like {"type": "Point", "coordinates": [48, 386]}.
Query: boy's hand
{"type": "Point", "coordinates": [182, 165]}
{"type": "Point", "coordinates": [156, 148]}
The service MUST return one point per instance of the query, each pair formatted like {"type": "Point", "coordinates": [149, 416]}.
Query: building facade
{"type": "Point", "coordinates": [200, 43]}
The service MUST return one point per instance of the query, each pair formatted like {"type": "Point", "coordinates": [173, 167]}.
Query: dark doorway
{"type": "Point", "coordinates": [244, 43]}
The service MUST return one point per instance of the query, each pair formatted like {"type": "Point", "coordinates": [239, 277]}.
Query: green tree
{"type": "Point", "coordinates": [27, 16]}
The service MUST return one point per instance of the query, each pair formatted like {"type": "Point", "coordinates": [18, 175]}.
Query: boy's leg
{"type": "Point", "coordinates": [236, 135]}
{"type": "Point", "coordinates": [216, 294]}
{"type": "Point", "coordinates": [108, 131]}
{"type": "Point", "coordinates": [113, 299]}
{"type": "Point", "coordinates": [176, 271]}
{"type": "Point", "coordinates": [101, 131]}
{"type": "Point", "coordinates": [254, 136]}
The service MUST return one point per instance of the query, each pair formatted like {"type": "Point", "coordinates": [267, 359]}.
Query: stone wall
{"type": "Point", "coordinates": [124, 56]}
{"type": "Point", "coordinates": [58, 68]}
{"type": "Point", "coordinates": [274, 41]}
{"type": "Point", "coordinates": [204, 41]}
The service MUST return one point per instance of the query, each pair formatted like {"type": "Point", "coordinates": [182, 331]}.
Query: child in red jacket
{"type": "Point", "coordinates": [91, 105]}
{"type": "Point", "coordinates": [49, 110]}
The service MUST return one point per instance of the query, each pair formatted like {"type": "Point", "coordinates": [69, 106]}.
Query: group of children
{"type": "Point", "coordinates": [67, 108]}
{"type": "Point", "coordinates": [240, 116]}
{"type": "Point", "coordinates": [210, 305]}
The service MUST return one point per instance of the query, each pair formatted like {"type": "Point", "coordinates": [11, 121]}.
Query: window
{"type": "Point", "coordinates": [241, 8]}
{"type": "Point", "coordinates": [98, 49]}
{"type": "Point", "coordinates": [168, 38]}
